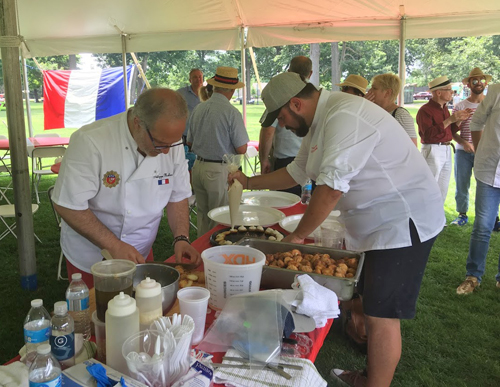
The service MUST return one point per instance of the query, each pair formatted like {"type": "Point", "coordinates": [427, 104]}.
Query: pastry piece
{"type": "Point", "coordinates": [260, 229]}
{"type": "Point", "coordinates": [269, 231]}
{"type": "Point", "coordinates": [252, 228]}
{"type": "Point", "coordinates": [272, 238]}
{"type": "Point", "coordinates": [242, 229]}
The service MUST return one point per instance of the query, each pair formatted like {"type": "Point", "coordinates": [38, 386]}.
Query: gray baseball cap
{"type": "Point", "coordinates": [280, 89]}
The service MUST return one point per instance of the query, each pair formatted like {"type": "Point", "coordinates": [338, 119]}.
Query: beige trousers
{"type": "Point", "coordinates": [210, 187]}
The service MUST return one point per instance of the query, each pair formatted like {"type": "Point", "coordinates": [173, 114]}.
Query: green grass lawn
{"type": "Point", "coordinates": [453, 341]}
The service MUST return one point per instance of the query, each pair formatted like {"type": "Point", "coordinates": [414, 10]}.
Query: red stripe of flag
{"type": "Point", "coordinates": [55, 89]}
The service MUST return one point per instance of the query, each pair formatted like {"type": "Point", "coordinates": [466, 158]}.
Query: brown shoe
{"type": "Point", "coordinates": [498, 284]}
{"type": "Point", "coordinates": [349, 378]}
{"type": "Point", "coordinates": [468, 286]}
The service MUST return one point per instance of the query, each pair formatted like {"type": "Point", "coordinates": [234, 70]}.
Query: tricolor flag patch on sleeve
{"type": "Point", "coordinates": [163, 182]}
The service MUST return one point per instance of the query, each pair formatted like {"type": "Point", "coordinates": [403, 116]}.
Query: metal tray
{"type": "Point", "coordinates": [277, 278]}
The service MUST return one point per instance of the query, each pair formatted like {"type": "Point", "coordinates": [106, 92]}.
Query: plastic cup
{"type": "Point", "coordinates": [110, 278]}
{"type": "Point", "coordinates": [193, 301]}
{"type": "Point", "coordinates": [332, 234]}
{"type": "Point", "coordinates": [100, 338]}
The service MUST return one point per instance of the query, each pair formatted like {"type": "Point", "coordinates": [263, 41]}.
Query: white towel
{"type": "Point", "coordinates": [308, 376]}
{"type": "Point", "coordinates": [317, 302]}
{"type": "Point", "coordinates": [14, 375]}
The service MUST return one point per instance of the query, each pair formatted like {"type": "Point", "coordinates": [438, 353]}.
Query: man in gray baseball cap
{"type": "Point", "coordinates": [367, 167]}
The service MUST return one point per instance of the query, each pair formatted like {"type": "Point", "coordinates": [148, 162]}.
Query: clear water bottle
{"type": "Point", "coordinates": [62, 340]}
{"type": "Point", "coordinates": [306, 192]}
{"type": "Point", "coordinates": [77, 298]}
{"type": "Point", "coordinates": [45, 370]}
{"type": "Point", "coordinates": [36, 329]}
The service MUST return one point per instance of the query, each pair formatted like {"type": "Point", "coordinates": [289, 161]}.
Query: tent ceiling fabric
{"type": "Point", "coordinates": [52, 27]}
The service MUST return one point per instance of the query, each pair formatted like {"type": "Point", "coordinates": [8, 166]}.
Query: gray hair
{"type": "Point", "coordinates": [156, 102]}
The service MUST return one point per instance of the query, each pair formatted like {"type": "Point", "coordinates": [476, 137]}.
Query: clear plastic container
{"type": "Point", "coordinates": [36, 329]}
{"type": "Point", "coordinates": [77, 298]}
{"type": "Point", "coordinates": [45, 370]}
{"type": "Point", "coordinates": [62, 340]}
{"type": "Point", "coordinates": [306, 192]}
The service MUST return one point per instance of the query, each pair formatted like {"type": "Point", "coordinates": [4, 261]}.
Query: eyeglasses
{"type": "Point", "coordinates": [159, 147]}
{"type": "Point", "coordinates": [476, 81]}
{"type": "Point", "coordinates": [446, 89]}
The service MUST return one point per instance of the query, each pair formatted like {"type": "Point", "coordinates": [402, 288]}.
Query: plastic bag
{"type": "Point", "coordinates": [251, 323]}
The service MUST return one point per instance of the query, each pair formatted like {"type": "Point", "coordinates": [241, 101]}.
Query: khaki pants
{"type": "Point", "coordinates": [210, 187]}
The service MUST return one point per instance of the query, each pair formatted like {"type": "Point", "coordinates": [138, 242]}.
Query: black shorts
{"type": "Point", "coordinates": [390, 280]}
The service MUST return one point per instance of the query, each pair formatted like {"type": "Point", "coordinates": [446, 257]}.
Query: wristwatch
{"type": "Point", "coordinates": [180, 238]}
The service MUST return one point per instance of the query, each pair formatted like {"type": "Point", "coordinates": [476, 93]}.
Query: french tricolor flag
{"type": "Point", "coordinates": [73, 98]}
{"type": "Point", "coordinates": [163, 182]}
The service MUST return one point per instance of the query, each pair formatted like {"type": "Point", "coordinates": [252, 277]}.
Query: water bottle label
{"type": "Point", "coordinates": [57, 382]}
{"type": "Point", "coordinates": [37, 336]}
{"type": "Point", "coordinates": [78, 305]}
{"type": "Point", "coordinates": [63, 347]}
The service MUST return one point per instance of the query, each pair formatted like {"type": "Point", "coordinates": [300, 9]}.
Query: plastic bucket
{"type": "Point", "coordinates": [231, 270]}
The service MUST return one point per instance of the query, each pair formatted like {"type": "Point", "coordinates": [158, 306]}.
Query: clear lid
{"type": "Point", "coordinates": [43, 349]}
{"type": "Point", "coordinates": [113, 268]}
{"type": "Point", "coordinates": [60, 307]}
{"type": "Point", "coordinates": [36, 303]}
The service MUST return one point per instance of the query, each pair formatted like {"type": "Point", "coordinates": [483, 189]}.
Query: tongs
{"type": "Point", "coordinates": [275, 367]}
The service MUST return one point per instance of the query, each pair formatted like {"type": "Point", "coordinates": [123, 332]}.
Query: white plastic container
{"type": "Point", "coordinates": [231, 270]}
{"type": "Point", "coordinates": [122, 321]}
{"type": "Point", "coordinates": [148, 298]}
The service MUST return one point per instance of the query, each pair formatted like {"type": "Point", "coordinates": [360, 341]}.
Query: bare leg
{"type": "Point", "coordinates": [384, 350]}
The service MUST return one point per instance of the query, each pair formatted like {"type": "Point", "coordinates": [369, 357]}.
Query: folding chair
{"type": "Point", "coordinates": [39, 167]}
{"type": "Point", "coordinates": [252, 152]}
{"type": "Point", "coordinates": [5, 172]}
{"type": "Point", "coordinates": [8, 211]}
{"type": "Point", "coordinates": [58, 221]}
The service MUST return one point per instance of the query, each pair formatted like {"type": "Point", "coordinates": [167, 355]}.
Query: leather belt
{"type": "Point", "coordinates": [209, 161]}
{"type": "Point", "coordinates": [445, 143]}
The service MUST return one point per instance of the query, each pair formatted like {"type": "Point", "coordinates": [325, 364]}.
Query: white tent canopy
{"type": "Point", "coordinates": [52, 27]}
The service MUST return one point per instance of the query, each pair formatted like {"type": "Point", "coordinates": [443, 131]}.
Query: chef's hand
{"type": "Point", "coordinates": [292, 238]}
{"type": "Point", "coordinates": [122, 250]}
{"type": "Point", "coordinates": [240, 176]}
{"type": "Point", "coordinates": [182, 249]}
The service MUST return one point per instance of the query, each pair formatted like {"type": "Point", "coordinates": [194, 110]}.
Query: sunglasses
{"type": "Point", "coordinates": [159, 147]}
{"type": "Point", "coordinates": [476, 81]}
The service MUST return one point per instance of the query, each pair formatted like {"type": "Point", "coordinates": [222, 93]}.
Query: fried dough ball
{"type": "Point", "coordinates": [351, 270]}
{"type": "Point", "coordinates": [339, 274]}
{"type": "Point", "coordinates": [280, 263]}
{"type": "Point", "coordinates": [180, 269]}
{"type": "Point", "coordinates": [292, 267]}
{"type": "Point", "coordinates": [309, 257]}
{"type": "Point", "coordinates": [343, 266]}
{"type": "Point", "coordinates": [306, 268]}
{"type": "Point", "coordinates": [286, 254]}
{"type": "Point", "coordinates": [317, 271]}
{"type": "Point", "coordinates": [298, 258]}
{"type": "Point", "coordinates": [295, 252]}
{"type": "Point", "coordinates": [352, 262]}
{"type": "Point", "coordinates": [185, 283]}
{"type": "Point", "coordinates": [287, 260]}
{"type": "Point", "coordinates": [327, 271]}
{"type": "Point", "coordinates": [349, 275]}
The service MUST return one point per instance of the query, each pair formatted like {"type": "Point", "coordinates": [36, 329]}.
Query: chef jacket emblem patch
{"type": "Point", "coordinates": [111, 179]}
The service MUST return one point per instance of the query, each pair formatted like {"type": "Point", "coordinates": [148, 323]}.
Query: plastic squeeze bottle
{"type": "Point", "coordinates": [122, 321]}
{"type": "Point", "coordinates": [149, 302]}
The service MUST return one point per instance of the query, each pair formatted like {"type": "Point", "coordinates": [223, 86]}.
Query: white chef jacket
{"type": "Point", "coordinates": [103, 171]}
{"type": "Point", "coordinates": [356, 147]}
{"type": "Point", "coordinates": [487, 157]}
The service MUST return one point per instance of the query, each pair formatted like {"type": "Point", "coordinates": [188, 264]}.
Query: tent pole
{"type": "Point", "coordinates": [243, 72]}
{"type": "Point", "coordinates": [27, 96]}
{"type": "Point", "coordinates": [141, 71]}
{"type": "Point", "coordinates": [402, 64]}
{"type": "Point", "coordinates": [254, 63]}
{"type": "Point", "coordinates": [124, 61]}
{"type": "Point", "coordinates": [18, 148]}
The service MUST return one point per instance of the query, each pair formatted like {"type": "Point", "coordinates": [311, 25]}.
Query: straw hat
{"type": "Point", "coordinates": [356, 81]}
{"type": "Point", "coordinates": [439, 83]}
{"type": "Point", "coordinates": [476, 72]}
{"type": "Point", "coordinates": [226, 77]}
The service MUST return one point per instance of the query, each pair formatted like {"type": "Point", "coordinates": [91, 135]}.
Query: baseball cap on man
{"type": "Point", "coordinates": [280, 89]}
{"type": "Point", "coordinates": [439, 83]}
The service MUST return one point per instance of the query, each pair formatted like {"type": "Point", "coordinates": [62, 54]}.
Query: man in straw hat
{"type": "Point", "coordinates": [215, 128]}
{"type": "Point", "coordinates": [363, 165]}
{"type": "Point", "coordinates": [354, 84]}
{"type": "Point", "coordinates": [464, 156]}
{"type": "Point", "coordinates": [485, 130]}
{"type": "Point", "coordinates": [437, 128]}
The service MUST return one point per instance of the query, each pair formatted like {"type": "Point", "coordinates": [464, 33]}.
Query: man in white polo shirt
{"type": "Point", "coordinates": [364, 166]}
{"type": "Point", "coordinates": [117, 177]}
